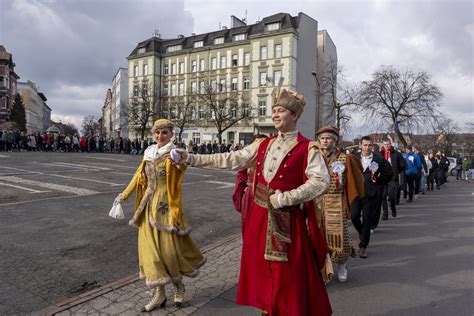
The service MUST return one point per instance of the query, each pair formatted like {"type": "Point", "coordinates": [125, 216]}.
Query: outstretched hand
{"type": "Point", "coordinates": [183, 155]}
{"type": "Point", "coordinates": [118, 199]}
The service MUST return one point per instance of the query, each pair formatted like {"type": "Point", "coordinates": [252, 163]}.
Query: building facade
{"type": "Point", "coordinates": [34, 106]}
{"type": "Point", "coordinates": [8, 84]}
{"type": "Point", "coordinates": [327, 80]}
{"type": "Point", "coordinates": [245, 59]}
{"type": "Point", "coordinates": [119, 105]}
{"type": "Point", "coordinates": [107, 119]}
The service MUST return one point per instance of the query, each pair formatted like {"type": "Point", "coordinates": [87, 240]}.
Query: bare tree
{"type": "Point", "coordinates": [181, 110]}
{"type": "Point", "coordinates": [446, 132]}
{"type": "Point", "coordinates": [224, 108]}
{"type": "Point", "coordinates": [90, 126]}
{"type": "Point", "coordinates": [340, 96]}
{"type": "Point", "coordinates": [144, 107]}
{"type": "Point", "coordinates": [405, 100]}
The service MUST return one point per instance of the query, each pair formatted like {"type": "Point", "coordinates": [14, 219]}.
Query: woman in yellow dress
{"type": "Point", "coordinates": [166, 252]}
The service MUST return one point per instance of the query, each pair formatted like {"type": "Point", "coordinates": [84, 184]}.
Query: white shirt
{"type": "Point", "coordinates": [366, 160]}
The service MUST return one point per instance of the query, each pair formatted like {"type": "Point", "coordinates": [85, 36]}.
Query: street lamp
{"type": "Point", "coordinates": [315, 75]}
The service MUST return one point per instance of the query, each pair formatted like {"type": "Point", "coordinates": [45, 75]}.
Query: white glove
{"type": "Point", "coordinates": [183, 155]}
{"type": "Point", "coordinates": [118, 200]}
{"type": "Point", "coordinates": [274, 199]}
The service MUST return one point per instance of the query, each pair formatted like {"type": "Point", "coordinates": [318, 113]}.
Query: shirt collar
{"type": "Point", "coordinates": [288, 135]}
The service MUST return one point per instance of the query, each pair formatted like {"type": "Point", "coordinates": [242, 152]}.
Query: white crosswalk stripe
{"type": "Point", "coordinates": [51, 186]}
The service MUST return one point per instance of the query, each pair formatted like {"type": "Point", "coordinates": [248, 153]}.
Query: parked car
{"type": "Point", "coordinates": [452, 166]}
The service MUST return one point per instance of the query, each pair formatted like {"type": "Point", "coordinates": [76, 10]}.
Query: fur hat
{"type": "Point", "coordinates": [288, 99]}
{"type": "Point", "coordinates": [162, 123]}
{"type": "Point", "coordinates": [332, 130]}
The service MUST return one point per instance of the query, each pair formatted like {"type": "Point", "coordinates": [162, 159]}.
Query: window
{"type": "Point", "coordinates": [193, 113]}
{"type": "Point", "coordinates": [262, 108]}
{"type": "Point", "coordinates": [165, 89]}
{"type": "Point", "coordinates": [201, 112]}
{"type": "Point", "coordinates": [245, 110]}
{"type": "Point", "coordinates": [196, 138]}
{"type": "Point", "coordinates": [277, 50]}
{"type": "Point", "coordinates": [181, 89]}
{"type": "Point", "coordinates": [239, 37]}
{"type": "Point", "coordinates": [235, 60]}
{"type": "Point", "coordinates": [198, 44]}
{"type": "Point", "coordinates": [202, 65]}
{"type": "Point", "coordinates": [273, 26]}
{"type": "Point", "coordinates": [223, 62]}
{"type": "Point", "coordinates": [247, 59]}
{"type": "Point", "coordinates": [165, 70]}
{"type": "Point", "coordinates": [194, 66]}
{"type": "Point", "coordinates": [263, 79]}
{"type": "Point", "coordinates": [135, 71]}
{"type": "Point", "coordinates": [135, 91]}
{"type": "Point", "coordinates": [214, 85]}
{"type": "Point", "coordinates": [246, 83]}
{"type": "Point", "coordinates": [181, 68]}
{"type": "Point", "coordinates": [276, 77]}
{"type": "Point", "coordinates": [219, 40]}
{"type": "Point", "coordinates": [263, 52]}
{"type": "Point", "coordinates": [233, 111]}
{"type": "Point", "coordinates": [145, 70]}
{"type": "Point", "coordinates": [202, 87]}
{"type": "Point", "coordinates": [213, 63]}
{"type": "Point", "coordinates": [145, 90]}
{"type": "Point", "coordinates": [173, 69]}
{"type": "Point", "coordinates": [222, 85]}
{"type": "Point", "coordinates": [141, 50]}
{"type": "Point", "coordinates": [174, 48]}
{"type": "Point", "coordinates": [173, 90]}
{"type": "Point", "coordinates": [234, 83]}
{"type": "Point", "coordinates": [193, 86]}
{"type": "Point", "coordinates": [173, 112]}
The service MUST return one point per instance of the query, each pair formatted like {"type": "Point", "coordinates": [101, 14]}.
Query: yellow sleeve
{"type": "Point", "coordinates": [175, 174]}
{"type": "Point", "coordinates": [133, 183]}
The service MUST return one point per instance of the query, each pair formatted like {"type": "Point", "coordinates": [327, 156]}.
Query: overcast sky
{"type": "Point", "coordinates": [72, 48]}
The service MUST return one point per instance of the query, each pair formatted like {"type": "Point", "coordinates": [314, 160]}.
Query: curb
{"type": "Point", "coordinates": [90, 295]}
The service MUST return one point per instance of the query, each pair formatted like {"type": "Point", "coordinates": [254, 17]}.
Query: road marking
{"type": "Point", "coordinates": [21, 170]}
{"type": "Point", "coordinates": [90, 180]}
{"type": "Point", "coordinates": [198, 174]}
{"type": "Point", "coordinates": [224, 184]}
{"type": "Point", "coordinates": [52, 186]}
{"type": "Point", "coordinates": [75, 165]}
{"type": "Point", "coordinates": [105, 158]}
{"type": "Point", "coordinates": [3, 156]}
{"type": "Point", "coordinates": [23, 188]}
{"type": "Point", "coordinates": [125, 173]}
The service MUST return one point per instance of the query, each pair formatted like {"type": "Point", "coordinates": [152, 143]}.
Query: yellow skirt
{"type": "Point", "coordinates": [165, 257]}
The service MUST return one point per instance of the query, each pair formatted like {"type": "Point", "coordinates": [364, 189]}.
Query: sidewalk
{"type": "Point", "coordinates": [212, 290]}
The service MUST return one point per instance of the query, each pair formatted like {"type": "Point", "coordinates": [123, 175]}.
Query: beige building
{"type": "Point", "coordinates": [34, 102]}
{"type": "Point", "coordinates": [107, 117]}
{"type": "Point", "coordinates": [245, 59]}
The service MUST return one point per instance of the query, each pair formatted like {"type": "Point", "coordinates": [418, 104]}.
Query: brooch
{"type": "Point", "coordinates": [338, 169]}
{"type": "Point", "coordinates": [373, 167]}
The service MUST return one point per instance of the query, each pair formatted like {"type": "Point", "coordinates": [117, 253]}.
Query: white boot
{"type": "Point", "coordinates": [178, 288]}
{"type": "Point", "coordinates": [342, 272]}
{"type": "Point", "coordinates": [158, 299]}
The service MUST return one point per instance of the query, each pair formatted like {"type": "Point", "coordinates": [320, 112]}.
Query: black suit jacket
{"type": "Point", "coordinates": [382, 176]}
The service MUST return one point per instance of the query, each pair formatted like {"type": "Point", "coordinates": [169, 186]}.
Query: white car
{"type": "Point", "coordinates": [452, 166]}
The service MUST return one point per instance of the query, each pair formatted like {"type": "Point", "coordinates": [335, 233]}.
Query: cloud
{"type": "Point", "coordinates": [72, 49]}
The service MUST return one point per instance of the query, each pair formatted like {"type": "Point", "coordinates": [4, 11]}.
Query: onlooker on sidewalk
{"type": "Point", "coordinates": [413, 165]}
{"type": "Point", "coordinates": [466, 164]}
{"type": "Point", "coordinates": [445, 167]}
{"type": "Point", "coordinates": [432, 176]}
{"type": "Point", "coordinates": [459, 169]}
{"type": "Point", "coordinates": [420, 176]}
{"type": "Point", "coordinates": [398, 164]}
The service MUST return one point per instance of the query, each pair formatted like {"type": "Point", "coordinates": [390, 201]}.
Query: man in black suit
{"type": "Point", "coordinates": [377, 172]}
{"type": "Point", "coordinates": [398, 164]}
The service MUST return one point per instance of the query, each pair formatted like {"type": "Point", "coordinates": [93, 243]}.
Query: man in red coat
{"type": "Point", "coordinates": [285, 257]}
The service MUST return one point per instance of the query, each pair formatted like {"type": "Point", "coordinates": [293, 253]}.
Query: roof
{"type": "Point", "coordinates": [159, 46]}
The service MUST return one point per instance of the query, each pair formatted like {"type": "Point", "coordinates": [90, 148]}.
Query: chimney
{"type": "Point", "coordinates": [193, 34]}
{"type": "Point", "coordinates": [180, 36]}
